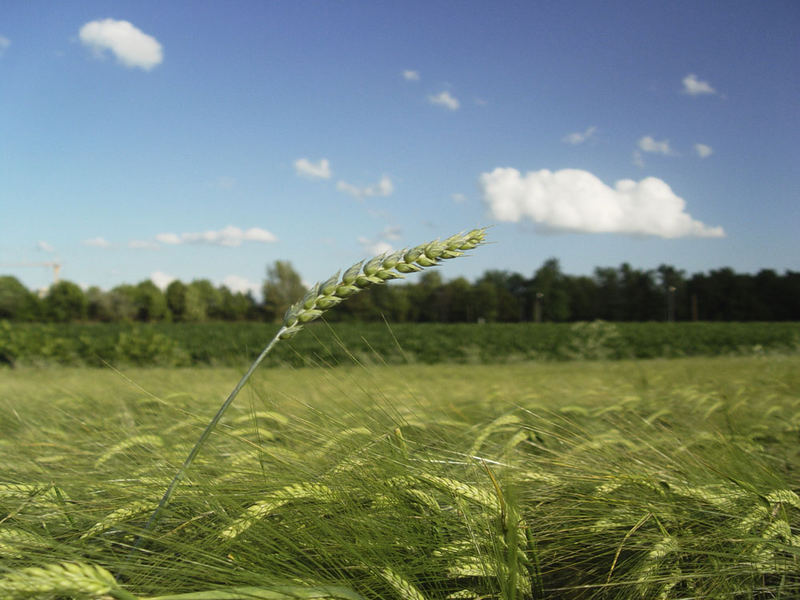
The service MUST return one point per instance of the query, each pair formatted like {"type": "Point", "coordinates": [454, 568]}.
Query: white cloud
{"type": "Point", "coordinates": [4, 44]}
{"type": "Point", "coordinates": [384, 187]}
{"type": "Point", "coordinates": [648, 144]}
{"type": "Point", "coordinates": [703, 151]}
{"type": "Point", "coordinates": [168, 238]}
{"type": "Point", "coordinates": [97, 242]}
{"type": "Point", "coordinates": [580, 136]}
{"type": "Point", "coordinates": [375, 247]}
{"type": "Point", "coordinates": [228, 236]}
{"type": "Point", "coordinates": [161, 280]}
{"type": "Point", "coordinates": [382, 242]}
{"type": "Point", "coordinates": [349, 188]}
{"type": "Point", "coordinates": [696, 87]}
{"type": "Point", "coordinates": [410, 75]}
{"type": "Point", "coordinates": [44, 246]}
{"type": "Point", "coordinates": [391, 232]}
{"type": "Point", "coordinates": [576, 200]}
{"type": "Point", "coordinates": [458, 198]}
{"type": "Point", "coordinates": [445, 99]}
{"type": "Point", "coordinates": [236, 283]}
{"type": "Point", "coordinates": [131, 46]}
{"type": "Point", "coordinates": [143, 245]}
{"type": "Point", "coordinates": [320, 170]}
{"type": "Point", "coordinates": [638, 160]}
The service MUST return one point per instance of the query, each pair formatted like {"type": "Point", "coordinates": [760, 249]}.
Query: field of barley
{"type": "Point", "coordinates": [427, 480]}
{"type": "Point", "coordinates": [584, 479]}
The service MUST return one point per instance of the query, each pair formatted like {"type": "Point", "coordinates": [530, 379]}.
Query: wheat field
{"type": "Point", "coordinates": [631, 479]}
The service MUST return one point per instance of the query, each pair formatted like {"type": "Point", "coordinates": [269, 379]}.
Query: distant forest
{"type": "Point", "coordinates": [612, 294]}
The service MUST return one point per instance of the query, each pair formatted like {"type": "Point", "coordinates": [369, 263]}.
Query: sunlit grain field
{"type": "Point", "coordinates": [626, 479]}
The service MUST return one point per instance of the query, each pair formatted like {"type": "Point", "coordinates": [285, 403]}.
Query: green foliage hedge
{"type": "Point", "coordinates": [234, 344]}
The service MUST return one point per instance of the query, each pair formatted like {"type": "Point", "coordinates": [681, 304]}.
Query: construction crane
{"type": "Point", "coordinates": [56, 266]}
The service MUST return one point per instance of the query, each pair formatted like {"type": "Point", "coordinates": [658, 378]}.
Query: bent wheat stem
{"type": "Point", "coordinates": [320, 298]}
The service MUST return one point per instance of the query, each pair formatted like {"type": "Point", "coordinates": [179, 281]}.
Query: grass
{"type": "Point", "coordinates": [626, 479]}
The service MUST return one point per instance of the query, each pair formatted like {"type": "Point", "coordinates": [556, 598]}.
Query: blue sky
{"type": "Point", "coordinates": [208, 139]}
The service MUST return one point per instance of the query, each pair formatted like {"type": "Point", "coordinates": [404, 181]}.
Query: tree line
{"type": "Point", "coordinates": [619, 293]}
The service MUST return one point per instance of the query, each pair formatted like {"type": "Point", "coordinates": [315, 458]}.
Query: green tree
{"type": "Point", "coordinates": [511, 291]}
{"type": "Point", "coordinates": [672, 283]}
{"type": "Point", "coordinates": [390, 302]}
{"type": "Point", "coordinates": [583, 298]}
{"type": "Point", "coordinates": [235, 306]}
{"type": "Point", "coordinates": [175, 295]}
{"type": "Point", "coordinates": [453, 301]}
{"type": "Point", "coordinates": [552, 285]}
{"type": "Point", "coordinates": [151, 304]}
{"type": "Point", "coordinates": [100, 305]}
{"type": "Point", "coordinates": [65, 302]}
{"type": "Point", "coordinates": [203, 301]}
{"type": "Point", "coordinates": [421, 295]}
{"type": "Point", "coordinates": [643, 301]}
{"type": "Point", "coordinates": [610, 302]}
{"type": "Point", "coordinates": [484, 301]}
{"type": "Point", "coordinates": [17, 302]}
{"type": "Point", "coordinates": [282, 288]}
{"type": "Point", "coordinates": [123, 302]}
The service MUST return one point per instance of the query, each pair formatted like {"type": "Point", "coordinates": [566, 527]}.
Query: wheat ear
{"type": "Point", "coordinates": [321, 298]}
{"type": "Point", "coordinates": [62, 579]}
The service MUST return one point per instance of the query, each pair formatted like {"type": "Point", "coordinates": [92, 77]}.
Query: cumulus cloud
{"type": "Point", "coordinates": [4, 44]}
{"type": "Point", "coordinates": [384, 187]}
{"type": "Point", "coordinates": [161, 280]}
{"type": "Point", "coordinates": [97, 242]}
{"type": "Point", "coordinates": [703, 151]}
{"type": "Point", "coordinates": [576, 200]}
{"type": "Point", "coordinates": [444, 99]}
{"type": "Point", "coordinates": [410, 75]}
{"type": "Point", "coordinates": [696, 87]}
{"type": "Point", "coordinates": [132, 47]}
{"type": "Point", "coordinates": [306, 168]}
{"type": "Point", "coordinates": [648, 144]}
{"type": "Point", "coordinates": [580, 136]}
{"type": "Point", "coordinates": [228, 236]}
{"type": "Point", "coordinates": [44, 246]}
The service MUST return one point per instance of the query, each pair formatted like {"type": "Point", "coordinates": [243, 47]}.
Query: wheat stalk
{"type": "Point", "coordinates": [138, 440]}
{"type": "Point", "coordinates": [77, 580]}
{"type": "Point", "coordinates": [264, 508]}
{"type": "Point", "coordinates": [404, 588]}
{"type": "Point", "coordinates": [13, 541]}
{"type": "Point", "coordinates": [321, 298]}
{"type": "Point", "coordinates": [120, 515]}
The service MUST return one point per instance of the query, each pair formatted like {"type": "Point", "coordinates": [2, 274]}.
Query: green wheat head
{"type": "Point", "coordinates": [380, 269]}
